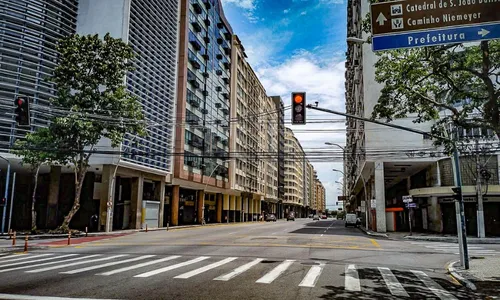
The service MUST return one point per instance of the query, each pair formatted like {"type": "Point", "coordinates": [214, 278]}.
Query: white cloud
{"type": "Point", "coordinates": [245, 4]}
{"type": "Point", "coordinates": [303, 13]}
{"type": "Point", "coordinates": [286, 11]}
{"type": "Point", "coordinates": [321, 75]}
{"type": "Point", "coordinates": [259, 52]}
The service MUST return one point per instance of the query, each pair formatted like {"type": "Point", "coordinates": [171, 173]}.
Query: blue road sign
{"type": "Point", "coordinates": [409, 205]}
{"type": "Point", "coordinates": [462, 34]}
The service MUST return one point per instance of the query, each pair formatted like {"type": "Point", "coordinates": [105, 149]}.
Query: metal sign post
{"type": "Point", "coordinates": [414, 23]}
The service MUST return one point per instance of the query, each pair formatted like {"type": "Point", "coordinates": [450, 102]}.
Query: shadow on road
{"type": "Point", "coordinates": [378, 290]}
{"type": "Point", "coordinates": [328, 227]}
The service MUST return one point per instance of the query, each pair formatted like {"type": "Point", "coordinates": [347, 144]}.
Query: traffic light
{"type": "Point", "coordinates": [22, 111]}
{"type": "Point", "coordinates": [299, 108]}
{"type": "Point", "coordinates": [458, 193]}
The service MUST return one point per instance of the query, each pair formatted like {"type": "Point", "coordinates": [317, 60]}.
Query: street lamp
{"type": "Point", "coordinates": [353, 39]}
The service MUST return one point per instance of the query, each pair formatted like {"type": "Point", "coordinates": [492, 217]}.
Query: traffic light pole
{"type": "Point", "coordinates": [462, 233]}
{"type": "Point", "coordinates": [6, 194]}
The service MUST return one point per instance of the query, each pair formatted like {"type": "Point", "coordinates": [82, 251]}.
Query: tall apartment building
{"type": "Point", "coordinates": [387, 178]}
{"type": "Point", "coordinates": [311, 188]}
{"type": "Point", "coordinates": [200, 187]}
{"type": "Point", "coordinates": [320, 196]}
{"type": "Point", "coordinates": [30, 30]}
{"type": "Point", "coordinates": [280, 110]}
{"type": "Point", "coordinates": [294, 174]}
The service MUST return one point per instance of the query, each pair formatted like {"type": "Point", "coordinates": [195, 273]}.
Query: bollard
{"type": "Point", "coordinates": [146, 227]}
{"type": "Point", "coordinates": [26, 244]}
{"type": "Point", "coordinates": [69, 238]}
{"type": "Point", "coordinates": [167, 226]}
{"type": "Point", "coordinates": [86, 231]}
{"type": "Point", "coordinates": [14, 239]}
{"type": "Point", "coordinates": [10, 233]}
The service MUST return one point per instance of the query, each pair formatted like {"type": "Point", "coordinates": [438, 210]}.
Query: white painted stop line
{"type": "Point", "coordinates": [352, 279]}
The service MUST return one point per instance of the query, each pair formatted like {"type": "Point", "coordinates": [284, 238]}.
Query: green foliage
{"type": "Point", "coordinates": [90, 81]}
{"type": "Point", "coordinates": [453, 85]}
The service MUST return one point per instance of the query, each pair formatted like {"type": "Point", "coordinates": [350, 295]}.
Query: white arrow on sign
{"type": "Point", "coordinates": [483, 32]}
{"type": "Point", "coordinates": [381, 19]}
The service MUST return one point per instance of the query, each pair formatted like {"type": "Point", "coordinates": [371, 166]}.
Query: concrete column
{"type": "Point", "coordinates": [106, 195]}
{"type": "Point", "coordinates": [245, 209]}
{"type": "Point", "coordinates": [218, 218]}
{"type": "Point", "coordinates": [53, 198]}
{"type": "Point", "coordinates": [434, 215]}
{"type": "Point", "coordinates": [380, 196]}
{"type": "Point", "coordinates": [136, 202]}
{"type": "Point", "coordinates": [162, 203]}
{"type": "Point", "coordinates": [201, 206]}
{"type": "Point", "coordinates": [225, 207]}
{"type": "Point", "coordinates": [174, 205]}
{"type": "Point", "coordinates": [238, 206]}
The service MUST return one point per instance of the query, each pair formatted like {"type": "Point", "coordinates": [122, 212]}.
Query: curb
{"type": "Point", "coordinates": [455, 274]}
{"type": "Point", "coordinates": [453, 240]}
{"type": "Point", "coordinates": [374, 234]}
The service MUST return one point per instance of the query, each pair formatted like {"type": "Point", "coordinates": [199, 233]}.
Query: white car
{"type": "Point", "coordinates": [351, 220]}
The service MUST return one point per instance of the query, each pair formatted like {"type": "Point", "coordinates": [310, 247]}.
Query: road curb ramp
{"type": "Point", "coordinates": [371, 233]}
{"type": "Point", "coordinates": [459, 276]}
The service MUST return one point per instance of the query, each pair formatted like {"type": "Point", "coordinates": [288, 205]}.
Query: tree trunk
{"type": "Point", "coordinates": [80, 176]}
{"type": "Point", "coordinates": [33, 201]}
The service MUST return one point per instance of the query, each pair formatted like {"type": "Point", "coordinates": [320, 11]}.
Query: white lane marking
{"type": "Point", "coordinates": [433, 286]}
{"type": "Point", "coordinates": [48, 263]}
{"type": "Point", "coordinates": [239, 270]}
{"type": "Point", "coordinates": [312, 276]}
{"type": "Point", "coordinates": [232, 232]}
{"type": "Point", "coordinates": [392, 283]}
{"type": "Point", "coordinates": [140, 265]}
{"type": "Point", "coordinates": [172, 267]}
{"type": "Point", "coordinates": [75, 264]}
{"type": "Point", "coordinates": [107, 264]}
{"type": "Point", "coordinates": [352, 279]}
{"type": "Point", "coordinates": [36, 261]}
{"type": "Point", "coordinates": [25, 257]}
{"type": "Point", "coordinates": [26, 297]}
{"type": "Point", "coordinates": [205, 268]}
{"type": "Point", "coordinates": [276, 272]}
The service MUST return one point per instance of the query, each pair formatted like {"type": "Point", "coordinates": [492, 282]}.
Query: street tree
{"type": "Point", "coordinates": [35, 150]}
{"type": "Point", "coordinates": [94, 101]}
{"type": "Point", "coordinates": [454, 85]}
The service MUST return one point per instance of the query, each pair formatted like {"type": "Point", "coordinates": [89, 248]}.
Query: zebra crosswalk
{"type": "Point", "coordinates": [452, 248]}
{"type": "Point", "coordinates": [315, 274]}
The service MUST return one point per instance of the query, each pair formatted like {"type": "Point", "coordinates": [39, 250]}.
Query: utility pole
{"type": "Point", "coordinates": [479, 196]}
{"type": "Point", "coordinates": [462, 233]}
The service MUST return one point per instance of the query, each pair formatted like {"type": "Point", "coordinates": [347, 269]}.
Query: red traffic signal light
{"type": "Point", "coordinates": [22, 111]}
{"type": "Point", "coordinates": [298, 108]}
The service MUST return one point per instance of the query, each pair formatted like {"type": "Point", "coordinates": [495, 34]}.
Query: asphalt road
{"type": "Point", "coordinates": [303, 259]}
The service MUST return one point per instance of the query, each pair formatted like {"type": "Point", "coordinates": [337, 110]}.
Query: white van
{"type": "Point", "coordinates": [351, 220]}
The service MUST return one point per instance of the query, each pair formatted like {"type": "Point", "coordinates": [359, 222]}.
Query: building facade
{"type": "Point", "coordinates": [320, 197]}
{"type": "Point", "coordinates": [294, 174]}
{"type": "Point", "coordinates": [280, 110]}
{"type": "Point", "coordinates": [385, 164]}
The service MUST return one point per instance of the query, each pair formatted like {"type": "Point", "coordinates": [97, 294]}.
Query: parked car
{"type": "Point", "coordinates": [323, 216]}
{"type": "Point", "coordinates": [270, 218]}
{"type": "Point", "coordinates": [315, 217]}
{"type": "Point", "coordinates": [352, 220]}
{"type": "Point", "coordinates": [291, 216]}
{"type": "Point", "coordinates": [311, 216]}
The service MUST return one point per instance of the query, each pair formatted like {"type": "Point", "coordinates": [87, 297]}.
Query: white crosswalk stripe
{"type": "Point", "coordinates": [269, 273]}
{"type": "Point", "coordinates": [312, 276]}
{"type": "Point", "coordinates": [352, 279]}
{"type": "Point", "coordinates": [75, 264]}
{"type": "Point", "coordinates": [173, 267]}
{"type": "Point", "coordinates": [452, 248]}
{"type": "Point", "coordinates": [433, 286]}
{"type": "Point", "coordinates": [48, 263]}
{"type": "Point", "coordinates": [276, 272]}
{"type": "Point", "coordinates": [24, 257]}
{"type": "Point", "coordinates": [392, 283]}
{"type": "Point", "coordinates": [107, 264]}
{"type": "Point", "coordinates": [141, 265]}
{"type": "Point", "coordinates": [37, 261]}
{"type": "Point", "coordinates": [206, 268]}
{"type": "Point", "coordinates": [239, 270]}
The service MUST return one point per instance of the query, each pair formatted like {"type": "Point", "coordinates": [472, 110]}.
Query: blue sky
{"type": "Point", "coordinates": [299, 45]}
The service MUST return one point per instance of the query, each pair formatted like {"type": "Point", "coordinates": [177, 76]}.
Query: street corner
{"type": "Point", "coordinates": [81, 240]}
{"type": "Point", "coordinates": [459, 275]}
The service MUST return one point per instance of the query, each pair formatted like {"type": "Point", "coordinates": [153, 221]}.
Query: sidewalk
{"type": "Point", "coordinates": [482, 276]}
{"type": "Point", "coordinates": [418, 236]}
